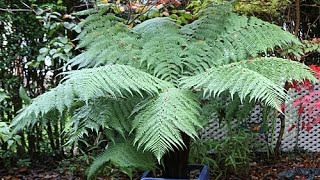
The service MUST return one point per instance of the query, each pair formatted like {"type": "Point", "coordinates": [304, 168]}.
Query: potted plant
{"type": "Point", "coordinates": [146, 88]}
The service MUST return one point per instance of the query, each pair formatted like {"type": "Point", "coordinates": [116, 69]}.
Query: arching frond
{"type": "Point", "coordinates": [159, 121]}
{"type": "Point", "coordinates": [107, 81]}
{"type": "Point", "coordinates": [124, 156]}
{"type": "Point", "coordinates": [237, 79]}
{"type": "Point", "coordinates": [120, 49]}
{"type": "Point", "coordinates": [162, 48]}
{"type": "Point", "coordinates": [280, 70]}
{"type": "Point", "coordinates": [107, 41]}
{"type": "Point", "coordinates": [102, 114]}
{"type": "Point", "coordinates": [151, 26]}
{"type": "Point", "coordinates": [93, 25]}
{"type": "Point", "coordinates": [220, 37]}
{"type": "Point", "coordinates": [211, 23]}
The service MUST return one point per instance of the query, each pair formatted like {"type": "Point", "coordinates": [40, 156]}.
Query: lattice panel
{"type": "Point", "coordinates": [298, 137]}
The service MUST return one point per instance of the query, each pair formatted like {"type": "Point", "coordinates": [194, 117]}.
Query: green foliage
{"type": "Point", "coordinates": [269, 7]}
{"type": "Point", "coordinates": [124, 156]}
{"type": "Point", "coordinates": [24, 96]}
{"type": "Point", "coordinates": [112, 81]}
{"type": "Point", "coordinates": [3, 95]}
{"type": "Point", "coordinates": [282, 69]}
{"type": "Point", "coordinates": [7, 137]}
{"type": "Point", "coordinates": [235, 38]}
{"type": "Point", "coordinates": [162, 59]}
{"type": "Point", "coordinates": [227, 109]}
{"type": "Point", "coordinates": [301, 51]}
{"type": "Point", "coordinates": [231, 154]}
{"type": "Point", "coordinates": [160, 120]}
{"type": "Point", "coordinates": [250, 79]}
{"type": "Point", "coordinates": [24, 162]}
{"type": "Point", "coordinates": [107, 114]}
{"type": "Point", "coordinates": [57, 46]}
{"type": "Point", "coordinates": [107, 41]}
{"type": "Point", "coordinates": [200, 152]}
{"type": "Point", "coordinates": [166, 66]}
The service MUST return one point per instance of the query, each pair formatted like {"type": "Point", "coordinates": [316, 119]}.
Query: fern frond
{"type": "Point", "coordinates": [162, 48]}
{"type": "Point", "coordinates": [234, 38]}
{"type": "Point", "coordinates": [108, 81]}
{"type": "Point", "coordinates": [121, 49]}
{"type": "Point", "coordinates": [154, 25]}
{"type": "Point", "coordinates": [159, 122]}
{"type": "Point", "coordinates": [101, 114]}
{"type": "Point", "coordinates": [237, 79]}
{"type": "Point", "coordinates": [280, 70]}
{"type": "Point", "coordinates": [210, 24]}
{"type": "Point", "coordinates": [95, 22]}
{"type": "Point", "coordinates": [122, 155]}
{"type": "Point", "coordinates": [107, 40]}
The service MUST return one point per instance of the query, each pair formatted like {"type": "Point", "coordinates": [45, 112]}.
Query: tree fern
{"type": "Point", "coordinates": [160, 120]}
{"type": "Point", "coordinates": [167, 66]}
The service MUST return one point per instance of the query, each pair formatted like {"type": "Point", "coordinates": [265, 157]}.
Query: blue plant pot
{"type": "Point", "coordinates": [204, 174]}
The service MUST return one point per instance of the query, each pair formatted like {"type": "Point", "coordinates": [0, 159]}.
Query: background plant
{"type": "Point", "coordinates": [230, 155]}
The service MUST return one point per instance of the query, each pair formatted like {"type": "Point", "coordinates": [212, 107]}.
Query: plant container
{"type": "Point", "coordinates": [203, 175]}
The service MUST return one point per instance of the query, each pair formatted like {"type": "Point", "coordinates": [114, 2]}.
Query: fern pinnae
{"type": "Point", "coordinates": [250, 82]}
{"type": "Point", "coordinates": [161, 120]}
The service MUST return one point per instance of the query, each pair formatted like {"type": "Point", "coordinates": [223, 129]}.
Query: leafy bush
{"type": "Point", "coordinates": [229, 155]}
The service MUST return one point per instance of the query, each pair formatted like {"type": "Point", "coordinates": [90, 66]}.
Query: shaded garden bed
{"type": "Point", "coordinates": [262, 168]}
{"type": "Point", "coordinates": [267, 169]}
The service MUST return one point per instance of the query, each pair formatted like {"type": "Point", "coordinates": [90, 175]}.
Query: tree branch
{"type": "Point", "coordinates": [15, 10]}
{"type": "Point", "coordinates": [297, 23]}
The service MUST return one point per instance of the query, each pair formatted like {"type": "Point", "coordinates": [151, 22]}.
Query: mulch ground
{"type": "Point", "coordinates": [269, 168]}
{"type": "Point", "coordinates": [261, 169]}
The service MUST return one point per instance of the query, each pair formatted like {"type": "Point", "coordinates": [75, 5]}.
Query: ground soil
{"type": "Point", "coordinates": [262, 168]}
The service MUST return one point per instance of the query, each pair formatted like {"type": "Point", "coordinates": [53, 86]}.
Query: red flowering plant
{"type": "Point", "coordinates": [307, 104]}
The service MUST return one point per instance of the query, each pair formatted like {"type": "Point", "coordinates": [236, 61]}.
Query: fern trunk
{"type": "Point", "coordinates": [176, 162]}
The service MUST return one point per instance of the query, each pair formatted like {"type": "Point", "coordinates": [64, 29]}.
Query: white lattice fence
{"type": "Point", "coordinates": [309, 141]}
